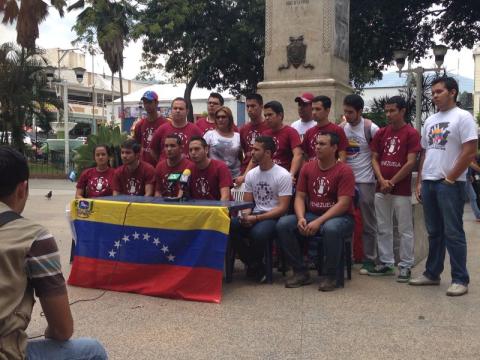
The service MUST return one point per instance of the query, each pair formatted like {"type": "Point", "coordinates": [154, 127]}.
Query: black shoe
{"type": "Point", "coordinates": [298, 279]}
{"type": "Point", "coordinates": [328, 283]}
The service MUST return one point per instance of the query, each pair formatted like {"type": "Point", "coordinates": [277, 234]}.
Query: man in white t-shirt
{"type": "Point", "coordinates": [306, 120]}
{"type": "Point", "coordinates": [449, 142]}
{"type": "Point", "coordinates": [360, 132]}
{"type": "Point", "coordinates": [270, 187]}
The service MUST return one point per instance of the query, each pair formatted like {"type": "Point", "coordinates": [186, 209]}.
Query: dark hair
{"type": "Point", "coordinates": [227, 111]}
{"type": "Point", "coordinates": [99, 146]}
{"type": "Point", "coordinates": [13, 170]}
{"type": "Point", "coordinates": [354, 101]}
{"type": "Point", "coordinates": [397, 100]}
{"type": "Point", "coordinates": [325, 100]}
{"type": "Point", "coordinates": [179, 99]}
{"type": "Point", "coordinates": [217, 96]}
{"type": "Point", "coordinates": [198, 138]}
{"type": "Point", "coordinates": [276, 106]}
{"type": "Point", "coordinates": [177, 138]}
{"type": "Point", "coordinates": [267, 143]}
{"type": "Point", "coordinates": [334, 138]}
{"type": "Point", "coordinates": [132, 145]}
{"type": "Point", "coordinates": [257, 97]}
{"type": "Point", "coordinates": [449, 82]}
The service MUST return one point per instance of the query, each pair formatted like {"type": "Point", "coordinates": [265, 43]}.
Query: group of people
{"type": "Point", "coordinates": [304, 181]}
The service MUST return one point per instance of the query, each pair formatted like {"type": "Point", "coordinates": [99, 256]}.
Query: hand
{"type": "Point", "coordinates": [312, 227]}
{"type": "Point", "coordinates": [385, 186]}
{"type": "Point", "coordinates": [294, 180]}
{"type": "Point", "coordinates": [301, 225]}
{"type": "Point", "coordinates": [239, 180]}
{"type": "Point", "coordinates": [249, 220]}
{"type": "Point", "coordinates": [418, 191]}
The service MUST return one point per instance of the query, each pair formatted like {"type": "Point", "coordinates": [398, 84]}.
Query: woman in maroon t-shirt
{"type": "Point", "coordinates": [96, 181]}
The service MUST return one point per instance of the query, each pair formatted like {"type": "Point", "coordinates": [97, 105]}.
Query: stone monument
{"type": "Point", "coordinates": [306, 50]}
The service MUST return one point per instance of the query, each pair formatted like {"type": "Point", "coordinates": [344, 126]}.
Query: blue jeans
{"type": "Point", "coordinates": [332, 234]}
{"type": "Point", "coordinates": [472, 196]}
{"type": "Point", "coordinates": [250, 242]}
{"type": "Point", "coordinates": [443, 210]}
{"type": "Point", "coordinates": [81, 349]}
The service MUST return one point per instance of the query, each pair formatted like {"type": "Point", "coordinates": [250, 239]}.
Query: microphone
{"type": "Point", "coordinates": [184, 179]}
{"type": "Point", "coordinates": [172, 179]}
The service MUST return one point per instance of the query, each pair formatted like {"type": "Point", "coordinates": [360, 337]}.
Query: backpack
{"type": "Point", "coordinates": [8, 216]}
{"type": "Point", "coordinates": [367, 129]}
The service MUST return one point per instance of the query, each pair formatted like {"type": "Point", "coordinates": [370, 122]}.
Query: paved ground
{"type": "Point", "coordinates": [371, 318]}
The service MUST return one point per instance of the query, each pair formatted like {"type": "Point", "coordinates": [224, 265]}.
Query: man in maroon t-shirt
{"type": "Point", "coordinates": [249, 132]}
{"type": "Point", "coordinates": [394, 154]}
{"type": "Point", "coordinates": [289, 154]}
{"type": "Point", "coordinates": [214, 102]}
{"type": "Point", "coordinates": [210, 179]}
{"type": "Point", "coordinates": [323, 208]}
{"type": "Point", "coordinates": [145, 127]}
{"type": "Point", "coordinates": [179, 126]}
{"type": "Point", "coordinates": [168, 171]}
{"type": "Point", "coordinates": [320, 110]}
{"type": "Point", "coordinates": [134, 177]}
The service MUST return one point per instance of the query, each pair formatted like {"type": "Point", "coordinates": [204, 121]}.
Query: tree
{"type": "Point", "coordinates": [23, 91]}
{"type": "Point", "coordinates": [28, 16]}
{"type": "Point", "coordinates": [212, 43]}
{"type": "Point", "coordinates": [108, 23]}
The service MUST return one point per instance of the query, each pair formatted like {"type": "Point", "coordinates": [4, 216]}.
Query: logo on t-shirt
{"type": "Point", "coordinates": [392, 145]}
{"type": "Point", "coordinates": [251, 136]}
{"type": "Point", "coordinates": [99, 184]}
{"type": "Point", "coordinates": [147, 136]}
{"type": "Point", "coordinates": [263, 193]}
{"type": "Point", "coordinates": [202, 186]}
{"type": "Point", "coordinates": [437, 136]}
{"type": "Point", "coordinates": [353, 148]}
{"type": "Point", "coordinates": [182, 137]}
{"type": "Point", "coordinates": [321, 186]}
{"type": "Point", "coordinates": [133, 186]}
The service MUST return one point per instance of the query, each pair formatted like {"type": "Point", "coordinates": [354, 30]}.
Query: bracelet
{"type": "Point", "coordinates": [449, 181]}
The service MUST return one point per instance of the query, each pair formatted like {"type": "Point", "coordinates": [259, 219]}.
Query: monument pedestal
{"type": "Point", "coordinates": [306, 50]}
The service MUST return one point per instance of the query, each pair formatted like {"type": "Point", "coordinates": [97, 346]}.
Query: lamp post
{"type": "Point", "coordinates": [400, 57]}
{"type": "Point", "coordinates": [50, 72]}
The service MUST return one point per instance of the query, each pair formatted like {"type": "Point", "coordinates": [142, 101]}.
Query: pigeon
{"type": "Point", "coordinates": [49, 195]}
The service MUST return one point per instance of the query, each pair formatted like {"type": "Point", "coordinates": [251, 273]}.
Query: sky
{"type": "Point", "coordinates": [56, 32]}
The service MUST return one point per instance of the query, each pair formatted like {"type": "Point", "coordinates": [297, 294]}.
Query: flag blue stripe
{"type": "Point", "coordinates": [192, 248]}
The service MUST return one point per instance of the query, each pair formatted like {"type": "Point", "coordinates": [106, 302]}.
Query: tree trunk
{"type": "Point", "coordinates": [187, 95]}
{"type": "Point", "coordinates": [122, 107]}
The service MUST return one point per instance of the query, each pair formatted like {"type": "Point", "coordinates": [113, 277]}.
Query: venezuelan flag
{"type": "Point", "coordinates": [174, 251]}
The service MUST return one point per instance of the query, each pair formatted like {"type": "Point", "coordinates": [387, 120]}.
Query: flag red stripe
{"type": "Point", "coordinates": [177, 282]}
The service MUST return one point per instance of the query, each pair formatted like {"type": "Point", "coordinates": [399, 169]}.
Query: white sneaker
{"type": "Point", "coordinates": [457, 290]}
{"type": "Point", "coordinates": [423, 280]}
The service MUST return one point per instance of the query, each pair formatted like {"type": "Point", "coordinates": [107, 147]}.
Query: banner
{"type": "Point", "coordinates": [174, 251]}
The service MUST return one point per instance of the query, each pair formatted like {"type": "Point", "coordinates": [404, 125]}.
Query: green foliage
{"type": "Point", "coordinates": [112, 137]}
{"type": "Point", "coordinates": [376, 112]}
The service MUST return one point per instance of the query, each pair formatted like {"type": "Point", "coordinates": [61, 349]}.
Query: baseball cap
{"type": "Point", "coordinates": [149, 95]}
{"type": "Point", "coordinates": [305, 98]}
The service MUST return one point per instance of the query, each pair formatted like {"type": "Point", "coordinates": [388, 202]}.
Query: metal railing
{"type": "Point", "coordinates": [47, 165]}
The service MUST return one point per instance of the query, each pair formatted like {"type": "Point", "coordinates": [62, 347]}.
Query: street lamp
{"type": "Point", "coordinates": [50, 73]}
{"type": "Point", "coordinates": [400, 57]}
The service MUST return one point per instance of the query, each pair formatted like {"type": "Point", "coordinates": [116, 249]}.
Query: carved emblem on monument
{"type": "Point", "coordinates": [296, 53]}
{"type": "Point", "coordinates": [342, 11]}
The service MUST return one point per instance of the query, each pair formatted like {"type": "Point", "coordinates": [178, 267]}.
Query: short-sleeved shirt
{"type": "Point", "coordinates": [359, 156]}
{"type": "Point", "coordinates": [393, 147]}
{"type": "Point", "coordinates": [226, 149]}
{"type": "Point", "coordinates": [163, 171]}
{"type": "Point", "coordinates": [267, 186]}
{"type": "Point", "coordinates": [310, 138]}
{"type": "Point", "coordinates": [185, 133]}
{"type": "Point", "coordinates": [248, 133]}
{"type": "Point", "coordinates": [133, 183]}
{"type": "Point", "coordinates": [205, 184]}
{"type": "Point", "coordinates": [323, 187]}
{"type": "Point", "coordinates": [302, 126]}
{"type": "Point", "coordinates": [144, 131]}
{"type": "Point", "coordinates": [286, 139]}
{"type": "Point", "coordinates": [96, 183]}
{"type": "Point", "coordinates": [442, 137]}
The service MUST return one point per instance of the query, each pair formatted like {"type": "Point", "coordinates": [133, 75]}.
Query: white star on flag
{"type": "Point", "coordinates": [165, 249]}
{"type": "Point", "coordinates": [171, 257]}
{"type": "Point", "coordinates": [156, 241]}
{"type": "Point", "coordinates": [136, 235]}
{"type": "Point", "coordinates": [117, 244]}
{"type": "Point", "coordinates": [112, 253]}
{"type": "Point", "coordinates": [125, 238]}
{"type": "Point", "coordinates": [146, 236]}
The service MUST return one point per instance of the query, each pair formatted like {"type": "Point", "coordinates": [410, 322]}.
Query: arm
{"type": "Point", "coordinates": [340, 208]}
{"type": "Point", "coordinates": [469, 150]}
{"type": "Point", "coordinates": [149, 189]}
{"type": "Point", "coordinates": [58, 315]}
{"type": "Point", "coordinates": [342, 156]}
{"type": "Point", "coordinates": [296, 161]}
{"type": "Point", "coordinates": [385, 187]}
{"type": "Point", "coordinates": [475, 166]}
{"type": "Point", "coordinates": [404, 170]}
{"type": "Point", "coordinates": [79, 194]}
{"type": "Point", "coordinates": [224, 194]}
{"type": "Point", "coordinates": [418, 183]}
{"type": "Point", "coordinates": [239, 180]}
{"type": "Point", "coordinates": [299, 207]}
{"type": "Point", "coordinates": [275, 213]}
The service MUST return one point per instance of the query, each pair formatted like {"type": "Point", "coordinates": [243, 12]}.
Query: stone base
{"type": "Point", "coordinates": [287, 91]}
